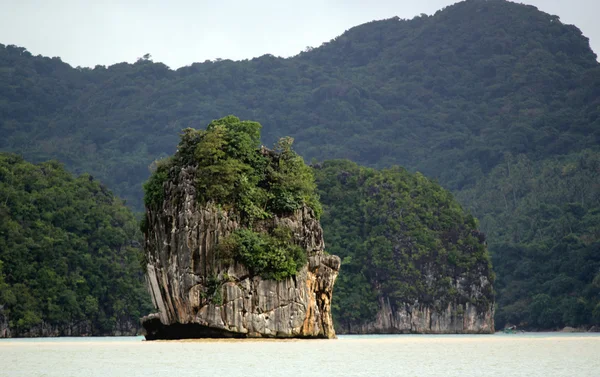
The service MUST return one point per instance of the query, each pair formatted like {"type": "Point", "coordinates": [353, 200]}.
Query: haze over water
{"type": "Point", "coordinates": [534, 355]}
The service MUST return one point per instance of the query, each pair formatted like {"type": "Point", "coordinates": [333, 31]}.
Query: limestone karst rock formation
{"type": "Point", "coordinates": [414, 260]}
{"type": "Point", "coordinates": [199, 295]}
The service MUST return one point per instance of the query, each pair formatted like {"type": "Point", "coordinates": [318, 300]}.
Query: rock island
{"type": "Point", "coordinates": [233, 244]}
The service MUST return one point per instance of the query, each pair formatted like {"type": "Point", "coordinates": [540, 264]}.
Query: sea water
{"type": "Point", "coordinates": [540, 354]}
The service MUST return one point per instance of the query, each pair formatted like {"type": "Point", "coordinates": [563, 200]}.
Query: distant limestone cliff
{"type": "Point", "coordinates": [413, 260]}
{"type": "Point", "coordinates": [232, 240]}
{"type": "Point", "coordinates": [417, 318]}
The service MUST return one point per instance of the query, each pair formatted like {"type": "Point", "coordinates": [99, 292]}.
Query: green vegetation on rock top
{"type": "Point", "coordinates": [236, 174]}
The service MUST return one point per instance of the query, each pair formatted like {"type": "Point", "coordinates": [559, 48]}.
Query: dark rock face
{"type": "Point", "coordinates": [156, 330]}
{"type": "Point", "coordinates": [197, 295]}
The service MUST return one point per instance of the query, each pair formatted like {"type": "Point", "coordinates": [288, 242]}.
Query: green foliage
{"type": "Point", "coordinates": [423, 93]}
{"type": "Point", "coordinates": [392, 230]}
{"type": "Point", "coordinates": [213, 290]}
{"type": "Point", "coordinates": [234, 172]}
{"type": "Point", "coordinates": [271, 256]}
{"type": "Point", "coordinates": [153, 188]}
{"type": "Point", "coordinates": [223, 154]}
{"type": "Point", "coordinates": [69, 251]}
{"type": "Point", "coordinates": [291, 181]}
{"type": "Point", "coordinates": [543, 218]}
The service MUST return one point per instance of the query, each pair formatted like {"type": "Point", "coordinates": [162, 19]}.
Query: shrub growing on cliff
{"type": "Point", "coordinates": [269, 256]}
{"type": "Point", "coordinates": [153, 188]}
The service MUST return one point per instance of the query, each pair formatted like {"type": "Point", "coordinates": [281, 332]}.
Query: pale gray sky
{"type": "Point", "coordinates": [180, 32]}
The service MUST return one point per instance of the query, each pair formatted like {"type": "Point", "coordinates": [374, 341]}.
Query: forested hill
{"type": "Point", "coordinates": [448, 95]}
{"type": "Point", "coordinates": [497, 101]}
{"type": "Point", "coordinates": [69, 255]}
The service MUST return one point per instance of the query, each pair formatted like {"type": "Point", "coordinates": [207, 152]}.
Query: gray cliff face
{"type": "Point", "coordinates": [423, 319]}
{"type": "Point", "coordinates": [197, 295]}
{"type": "Point", "coordinates": [4, 329]}
{"type": "Point", "coordinates": [472, 312]}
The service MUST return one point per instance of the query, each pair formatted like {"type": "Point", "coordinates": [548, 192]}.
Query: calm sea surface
{"type": "Point", "coordinates": [546, 354]}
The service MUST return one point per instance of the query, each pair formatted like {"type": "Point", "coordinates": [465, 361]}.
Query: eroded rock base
{"type": "Point", "coordinates": [155, 330]}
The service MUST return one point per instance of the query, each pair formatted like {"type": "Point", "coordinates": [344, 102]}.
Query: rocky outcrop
{"type": "Point", "coordinates": [199, 295]}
